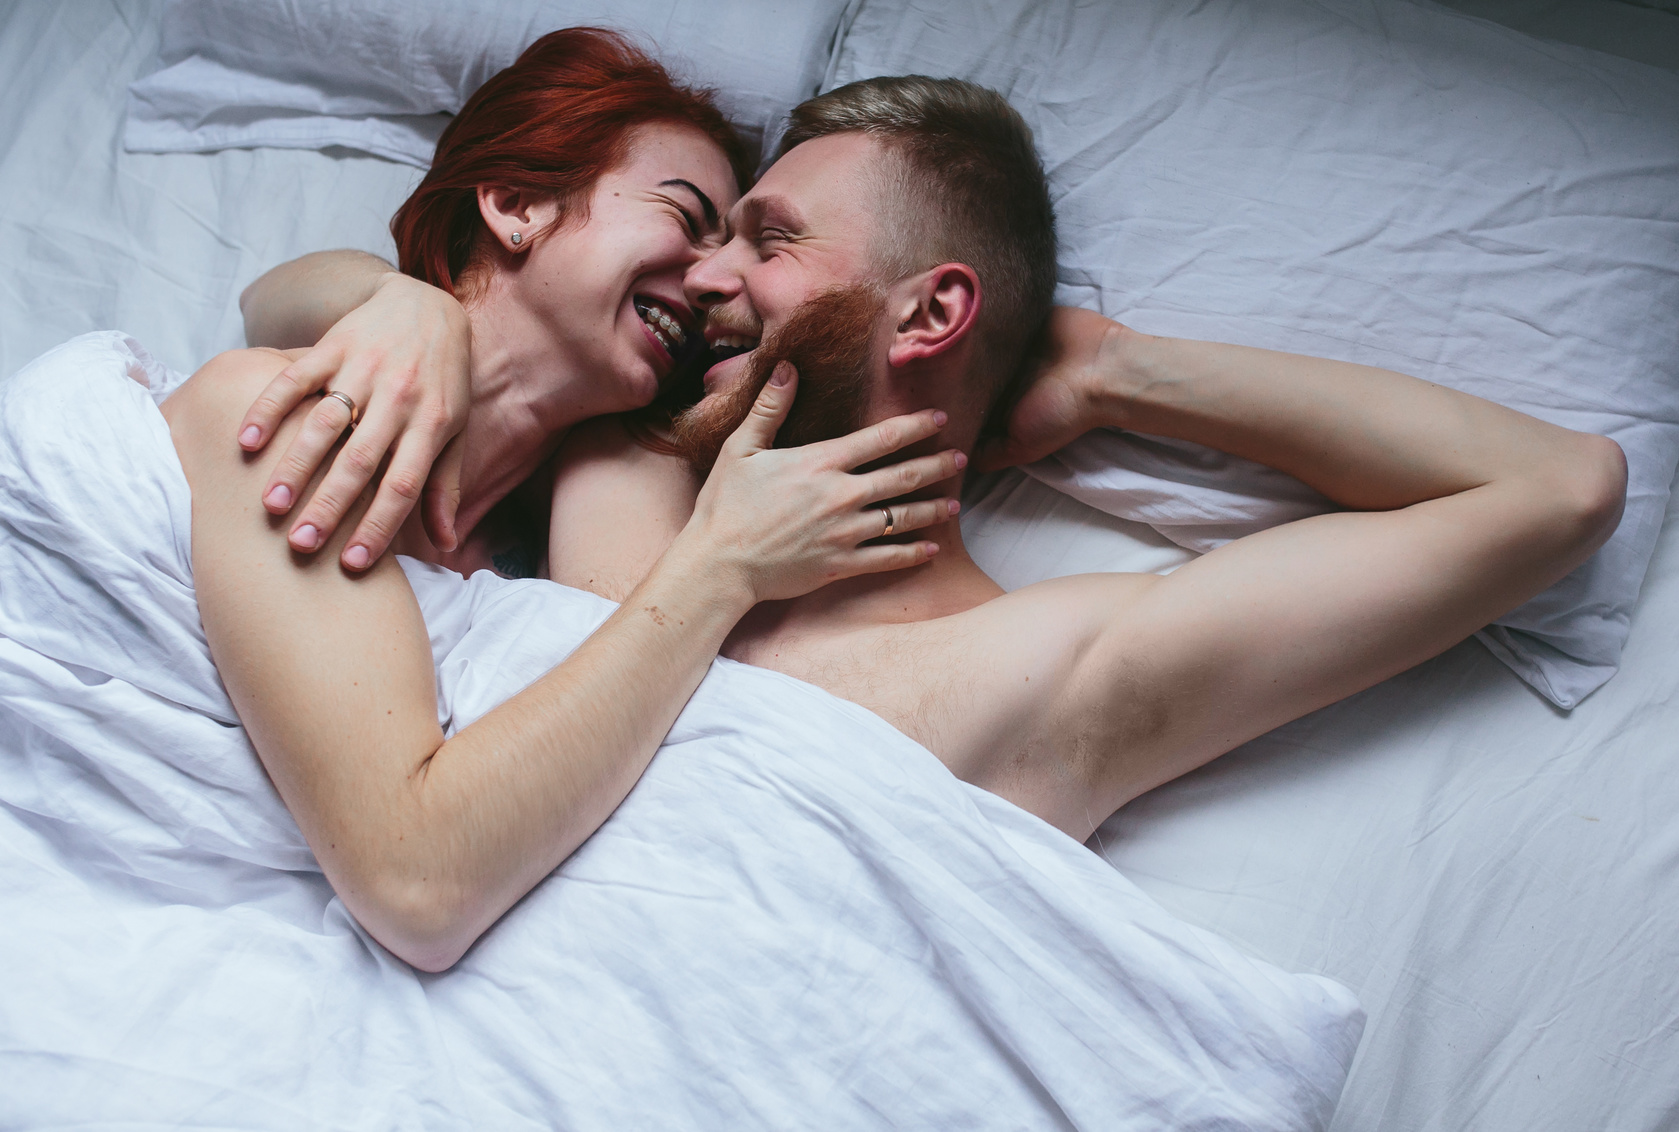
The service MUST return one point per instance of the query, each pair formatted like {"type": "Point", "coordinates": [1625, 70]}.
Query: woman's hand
{"type": "Point", "coordinates": [403, 357]}
{"type": "Point", "coordinates": [1083, 359]}
{"type": "Point", "coordinates": [787, 521]}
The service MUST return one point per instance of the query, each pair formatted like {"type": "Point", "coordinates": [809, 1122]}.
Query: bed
{"type": "Point", "coordinates": [1495, 876]}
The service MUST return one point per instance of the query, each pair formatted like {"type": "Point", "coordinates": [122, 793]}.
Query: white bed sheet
{"type": "Point", "coordinates": [1497, 880]}
{"type": "Point", "coordinates": [797, 910]}
{"type": "Point", "coordinates": [92, 237]}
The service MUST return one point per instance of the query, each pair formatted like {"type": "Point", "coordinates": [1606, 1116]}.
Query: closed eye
{"type": "Point", "coordinates": [701, 199]}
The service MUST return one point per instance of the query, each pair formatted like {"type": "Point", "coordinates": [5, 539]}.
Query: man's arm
{"type": "Point", "coordinates": [401, 351]}
{"type": "Point", "coordinates": [295, 304]}
{"type": "Point", "coordinates": [1462, 510]}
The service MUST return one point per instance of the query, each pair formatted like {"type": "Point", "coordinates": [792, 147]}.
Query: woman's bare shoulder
{"type": "Point", "coordinates": [228, 382]}
{"type": "Point", "coordinates": [204, 414]}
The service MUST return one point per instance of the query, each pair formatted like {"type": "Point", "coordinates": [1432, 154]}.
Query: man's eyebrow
{"type": "Point", "coordinates": [755, 211]}
{"type": "Point", "coordinates": [705, 201]}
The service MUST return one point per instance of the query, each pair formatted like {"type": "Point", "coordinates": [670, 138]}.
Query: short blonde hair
{"type": "Point", "coordinates": [969, 188]}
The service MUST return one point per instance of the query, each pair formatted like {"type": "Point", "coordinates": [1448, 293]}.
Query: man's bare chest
{"type": "Point", "coordinates": [949, 686]}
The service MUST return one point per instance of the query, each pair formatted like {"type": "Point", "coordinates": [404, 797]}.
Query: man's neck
{"type": "Point", "coordinates": [951, 582]}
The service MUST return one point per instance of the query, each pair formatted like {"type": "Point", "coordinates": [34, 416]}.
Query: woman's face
{"type": "Point", "coordinates": [606, 293]}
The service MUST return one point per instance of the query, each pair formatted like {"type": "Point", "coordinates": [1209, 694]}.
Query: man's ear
{"type": "Point", "coordinates": [935, 311]}
{"type": "Point", "coordinates": [513, 216]}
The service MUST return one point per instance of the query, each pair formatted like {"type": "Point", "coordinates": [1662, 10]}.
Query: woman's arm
{"type": "Point", "coordinates": [429, 841]}
{"type": "Point", "coordinates": [401, 350]}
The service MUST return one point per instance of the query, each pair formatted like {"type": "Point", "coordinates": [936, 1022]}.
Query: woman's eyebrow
{"type": "Point", "coordinates": [705, 201]}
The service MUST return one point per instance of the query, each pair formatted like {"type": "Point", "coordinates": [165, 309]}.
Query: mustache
{"type": "Point", "coordinates": [721, 324]}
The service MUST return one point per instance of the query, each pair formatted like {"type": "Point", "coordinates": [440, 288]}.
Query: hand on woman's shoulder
{"type": "Point", "coordinates": [228, 482]}
{"type": "Point", "coordinates": [218, 394]}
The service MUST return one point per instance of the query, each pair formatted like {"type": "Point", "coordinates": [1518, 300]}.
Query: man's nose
{"type": "Point", "coordinates": [711, 282]}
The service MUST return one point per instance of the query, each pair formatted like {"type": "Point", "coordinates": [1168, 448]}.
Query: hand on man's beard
{"type": "Point", "coordinates": [830, 341]}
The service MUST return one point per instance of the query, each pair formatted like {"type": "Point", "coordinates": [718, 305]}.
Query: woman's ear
{"type": "Point", "coordinates": [935, 311]}
{"type": "Point", "coordinates": [513, 217]}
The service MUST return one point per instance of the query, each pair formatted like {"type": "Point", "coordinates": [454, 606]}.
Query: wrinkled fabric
{"type": "Point", "coordinates": [383, 76]}
{"type": "Point", "coordinates": [1378, 181]}
{"type": "Point", "coordinates": [797, 918]}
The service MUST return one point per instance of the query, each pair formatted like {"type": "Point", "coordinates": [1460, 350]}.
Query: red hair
{"type": "Point", "coordinates": [549, 125]}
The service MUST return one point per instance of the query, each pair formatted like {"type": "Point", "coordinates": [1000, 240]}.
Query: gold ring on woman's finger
{"type": "Point", "coordinates": [355, 413]}
{"type": "Point", "coordinates": [890, 525]}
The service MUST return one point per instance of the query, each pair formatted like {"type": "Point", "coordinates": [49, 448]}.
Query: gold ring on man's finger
{"type": "Point", "coordinates": [340, 395]}
{"type": "Point", "coordinates": [890, 525]}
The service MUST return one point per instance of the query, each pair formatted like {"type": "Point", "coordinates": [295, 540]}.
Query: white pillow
{"type": "Point", "coordinates": [1376, 180]}
{"type": "Point", "coordinates": [377, 75]}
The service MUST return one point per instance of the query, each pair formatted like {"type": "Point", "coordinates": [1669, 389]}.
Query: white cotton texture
{"type": "Point", "coordinates": [798, 918]}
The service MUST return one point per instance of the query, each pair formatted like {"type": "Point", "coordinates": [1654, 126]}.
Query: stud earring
{"type": "Point", "coordinates": [517, 239]}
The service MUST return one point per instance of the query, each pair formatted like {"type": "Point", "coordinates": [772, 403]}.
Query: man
{"type": "Point", "coordinates": [901, 254]}
{"type": "Point", "coordinates": [900, 251]}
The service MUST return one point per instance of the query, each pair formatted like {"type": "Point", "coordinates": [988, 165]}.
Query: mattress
{"type": "Point", "coordinates": [1497, 880]}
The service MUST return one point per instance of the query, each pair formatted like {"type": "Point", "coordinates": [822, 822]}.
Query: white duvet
{"type": "Point", "coordinates": [798, 918]}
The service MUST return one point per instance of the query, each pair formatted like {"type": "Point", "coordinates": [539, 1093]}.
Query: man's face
{"type": "Point", "coordinates": [806, 229]}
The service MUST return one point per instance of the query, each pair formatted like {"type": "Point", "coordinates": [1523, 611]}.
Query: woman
{"type": "Point", "coordinates": [566, 201]}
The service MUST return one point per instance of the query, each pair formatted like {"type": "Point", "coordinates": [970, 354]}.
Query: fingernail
{"type": "Point", "coordinates": [932, 549]}
{"type": "Point", "coordinates": [961, 460]}
{"type": "Point", "coordinates": [278, 497]}
{"type": "Point", "coordinates": [940, 417]}
{"type": "Point", "coordinates": [250, 436]}
{"type": "Point", "coordinates": [782, 375]}
{"type": "Point", "coordinates": [955, 506]}
{"type": "Point", "coordinates": [356, 558]}
{"type": "Point", "coordinates": [305, 537]}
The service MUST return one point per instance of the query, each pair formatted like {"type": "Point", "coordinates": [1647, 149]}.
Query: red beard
{"type": "Point", "coordinates": [830, 341]}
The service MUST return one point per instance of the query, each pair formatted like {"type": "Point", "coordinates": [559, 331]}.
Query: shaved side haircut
{"type": "Point", "coordinates": [966, 187]}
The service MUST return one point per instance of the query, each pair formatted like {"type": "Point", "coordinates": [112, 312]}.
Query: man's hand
{"type": "Point", "coordinates": [404, 358]}
{"type": "Point", "coordinates": [1076, 373]}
